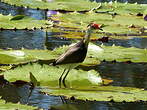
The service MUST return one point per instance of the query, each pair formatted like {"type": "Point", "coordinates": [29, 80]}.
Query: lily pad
{"type": "Point", "coordinates": [11, 106]}
{"type": "Point", "coordinates": [70, 5]}
{"type": "Point", "coordinates": [85, 5]}
{"type": "Point", "coordinates": [122, 54]}
{"type": "Point", "coordinates": [122, 8]}
{"type": "Point", "coordinates": [48, 75]}
{"type": "Point", "coordinates": [113, 26]}
{"type": "Point", "coordinates": [22, 22]}
{"type": "Point", "coordinates": [94, 54]}
{"type": "Point", "coordinates": [6, 67]}
{"type": "Point", "coordinates": [111, 53]}
{"type": "Point", "coordinates": [18, 17]}
{"type": "Point", "coordinates": [24, 56]}
{"type": "Point", "coordinates": [102, 93]}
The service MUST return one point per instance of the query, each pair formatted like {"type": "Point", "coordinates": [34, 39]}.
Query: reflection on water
{"type": "Point", "coordinates": [133, 75]}
{"type": "Point", "coordinates": [33, 97]}
{"type": "Point", "coordinates": [22, 39]}
{"type": "Point", "coordinates": [53, 40]}
{"type": "Point", "coordinates": [6, 9]}
{"type": "Point", "coordinates": [36, 39]}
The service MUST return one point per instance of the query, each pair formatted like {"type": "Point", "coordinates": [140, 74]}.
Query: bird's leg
{"type": "Point", "coordinates": [61, 78]}
{"type": "Point", "coordinates": [65, 77]}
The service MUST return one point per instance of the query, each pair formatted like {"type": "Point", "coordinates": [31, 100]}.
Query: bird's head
{"type": "Point", "coordinates": [94, 26]}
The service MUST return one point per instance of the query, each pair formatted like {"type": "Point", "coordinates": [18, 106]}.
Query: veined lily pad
{"type": "Point", "coordinates": [122, 8]}
{"type": "Point", "coordinates": [18, 17]}
{"type": "Point", "coordinates": [114, 25]}
{"type": "Point", "coordinates": [48, 75]}
{"type": "Point", "coordinates": [23, 56]}
{"type": "Point", "coordinates": [110, 53]}
{"type": "Point", "coordinates": [82, 5]}
{"type": "Point", "coordinates": [6, 67]}
{"type": "Point", "coordinates": [95, 53]}
{"type": "Point", "coordinates": [11, 106]}
{"type": "Point", "coordinates": [102, 93]}
{"type": "Point", "coordinates": [122, 54]}
{"type": "Point", "coordinates": [70, 5]}
{"type": "Point", "coordinates": [9, 57]}
{"type": "Point", "coordinates": [21, 22]}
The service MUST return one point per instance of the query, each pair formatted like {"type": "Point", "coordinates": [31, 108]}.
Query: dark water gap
{"type": "Point", "coordinates": [7, 9]}
{"type": "Point", "coordinates": [37, 39]}
{"type": "Point", "coordinates": [135, 41]}
{"type": "Point", "coordinates": [122, 74]}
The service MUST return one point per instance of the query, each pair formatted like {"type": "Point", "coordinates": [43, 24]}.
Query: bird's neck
{"type": "Point", "coordinates": [87, 37]}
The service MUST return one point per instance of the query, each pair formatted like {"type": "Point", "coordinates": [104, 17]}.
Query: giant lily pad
{"type": "Point", "coordinates": [122, 54]}
{"type": "Point", "coordinates": [110, 53]}
{"type": "Point", "coordinates": [11, 106]}
{"type": "Point", "coordinates": [22, 22]}
{"type": "Point", "coordinates": [23, 56]}
{"type": "Point", "coordinates": [48, 75]}
{"type": "Point", "coordinates": [70, 5]}
{"type": "Point", "coordinates": [114, 25]}
{"type": "Point", "coordinates": [73, 5]}
{"type": "Point", "coordinates": [95, 53]}
{"type": "Point", "coordinates": [102, 93]}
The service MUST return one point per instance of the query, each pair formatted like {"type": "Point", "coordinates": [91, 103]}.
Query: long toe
{"type": "Point", "coordinates": [64, 84]}
{"type": "Point", "coordinates": [59, 82]}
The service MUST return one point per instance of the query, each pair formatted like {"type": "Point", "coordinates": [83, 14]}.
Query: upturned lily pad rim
{"type": "Point", "coordinates": [22, 22]}
{"type": "Point", "coordinates": [100, 93]}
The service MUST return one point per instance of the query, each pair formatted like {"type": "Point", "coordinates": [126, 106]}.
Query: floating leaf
{"type": "Point", "coordinates": [111, 26]}
{"type": "Point", "coordinates": [102, 93]}
{"type": "Point", "coordinates": [18, 22]}
{"type": "Point", "coordinates": [73, 5]}
{"type": "Point", "coordinates": [17, 17]}
{"type": "Point", "coordinates": [95, 53]}
{"type": "Point", "coordinates": [33, 80]}
{"type": "Point", "coordinates": [23, 56]}
{"type": "Point", "coordinates": [11, 106]}
{"type": "Point", "coordinates": [122, 54]}
{"type": "Point", "coordinates": [48, 75]}
{"type": "Point", "coordinates": [5, 67]}
{"type": "Point", "coordinates": [111, 53]}
{"type": "Point", "coordinates": [70, 5]}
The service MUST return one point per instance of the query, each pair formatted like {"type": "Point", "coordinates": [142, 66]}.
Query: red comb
{"type": "Point", "coordinates": [96, 26]}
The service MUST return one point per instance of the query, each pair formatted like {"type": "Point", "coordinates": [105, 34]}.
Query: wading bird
{"type": "Point", "coordinates": [75, 54]}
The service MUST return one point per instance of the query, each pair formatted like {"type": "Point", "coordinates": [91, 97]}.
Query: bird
{"type": "Point", "coordinates": [75, 54]}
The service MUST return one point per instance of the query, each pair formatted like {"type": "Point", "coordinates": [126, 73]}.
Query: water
{"type": "Point", "coordinates": [36, 39]}
{"type": "Point", "coordinates": [133, 42]}
{"type": "Point", "coordinates": [129, 75]}
{"type": "Point", "coordinates": [22, 39]}
{"type": "Point", "coordinates": [7, 9]}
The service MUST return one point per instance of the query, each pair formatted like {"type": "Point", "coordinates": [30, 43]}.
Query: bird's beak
{"type": "Point", "coordinates": [101, 29]}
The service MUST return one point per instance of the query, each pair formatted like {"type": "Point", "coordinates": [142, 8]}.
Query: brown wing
{"type": "Point", "coordinates": [74, 54]}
